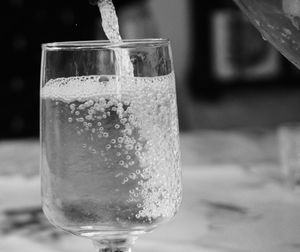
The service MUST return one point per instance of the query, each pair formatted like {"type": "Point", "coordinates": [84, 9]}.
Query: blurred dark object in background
{"type": "Point", "coordinates": [238, 50]}
{"type": "Point", "coordinates": [237, 80]}
{"type": "Point", "coordinates": [231, 51]}
{"type": "Point", "coordinates": [25, 25]}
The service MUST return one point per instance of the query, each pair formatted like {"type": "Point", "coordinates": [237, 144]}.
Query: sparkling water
{"type": "Point", "coordinates": [111, 163]}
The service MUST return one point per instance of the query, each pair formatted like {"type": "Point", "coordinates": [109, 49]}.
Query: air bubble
{"type": "Point", "coordinates": [97, 107]}
{"type": "Point", "coordinates": [120, 139]}
{"type": "Point", "coordinates": [104, 116]}
{"type": "Point", "coordinates": [123, 120]}
{"type": "Point", "coordinates": [132, 176]}
{"type": "Point", "coordinates": [99, 124]}
{"type": "Point", "coordinates": [108, 147]}
{"type": "Point", "coordinates": [70, 119]}
{"type": "Point", "coordinates": [120, 110]}
{"type": "Point", "coordinates": [139, 205]}
{"type": "Point", "coordinates": [89, 103]}
{"type": "Point", "coordinates": [138, 172]}
{"type": "Point", "coordinates": [125, 180]}
{"type": "Point", "coordinates": [129, 110]}
{"type": "Point", "coordinates": [128, 131]}
{"type": "Point", "coordinates": [84, 146]}
{"type": "Point", "coordinates": [89, 117]}
{"type": "Point", "coordinates": [128, 157]}
{"type": "Point", "coordinates": [91, 111]}
{"type": "Point", "coordinates": [103, 79]}
{"type": "Point", "coordinates": [129, 146]}
{"type": "Point", "coordinates": [131, 118]}
{"type": "Point", "coordinates": [105, 134]}
{"type": "Point", "coordinates": [121, 162]}
{"type": "Point", "coordinates": [77, 113]}
{"type": "Point", "coordinates": [117, 126]}
{"type": "Point", "coordinates": [81, 107]}
{"type": "Point", "coordinates": [101, 128]}
{"type": "Point", "coordinates": [102, 101]}
{"type": "Point", "coordinates": [138, 147]}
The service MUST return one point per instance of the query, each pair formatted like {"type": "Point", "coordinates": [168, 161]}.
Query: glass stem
{"type": "Point", "coordinates": [115, 244]}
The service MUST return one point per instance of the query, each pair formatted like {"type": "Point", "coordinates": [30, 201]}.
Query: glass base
{"type": "Point", "coordinates": [115, 244]}
{"type": "Point", "coordinates": [115, 250]}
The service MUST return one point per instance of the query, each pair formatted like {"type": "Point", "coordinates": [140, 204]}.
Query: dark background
{"type": "Point", "coordinates": [228, 77]}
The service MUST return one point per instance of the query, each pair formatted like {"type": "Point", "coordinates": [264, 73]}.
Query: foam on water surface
{"type": "Point", "coordinates": [89, 87]}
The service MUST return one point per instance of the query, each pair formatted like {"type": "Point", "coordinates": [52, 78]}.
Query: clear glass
{"type": "Point", "coordinates": [110, 163]}
{"type": "Point", "coordinates": [279, 23]}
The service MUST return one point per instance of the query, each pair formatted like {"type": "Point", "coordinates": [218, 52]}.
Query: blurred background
{"type": "Point", "coordinates": [228, 77]}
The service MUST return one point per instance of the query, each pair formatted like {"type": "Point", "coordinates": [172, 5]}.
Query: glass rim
{"type": "Point", "coordinates": [105, 44]}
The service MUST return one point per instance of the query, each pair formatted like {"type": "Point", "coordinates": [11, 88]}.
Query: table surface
{"type": "Point", "coordinates": [235, 200]}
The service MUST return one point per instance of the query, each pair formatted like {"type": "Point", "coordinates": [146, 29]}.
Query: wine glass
{"type": "Point", "coordinates": [110, 163]}
{"type": "Point", "coordinates": [279, 23]}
